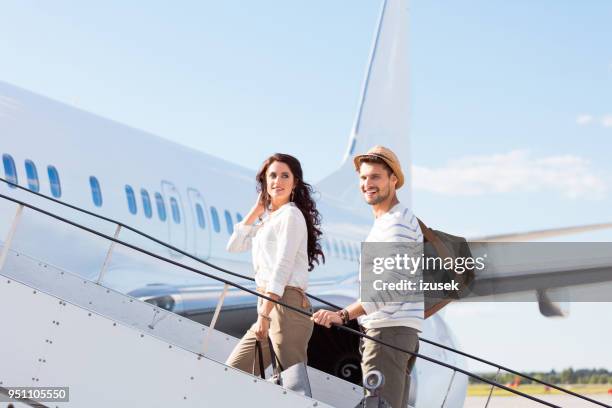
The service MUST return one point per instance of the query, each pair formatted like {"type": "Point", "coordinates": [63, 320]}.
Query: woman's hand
{"type": "Point", "coordinates": [326, 318]}
{"type": "Point", "coordinates": [256, 212]}
{"type": "Point", "coordinates": [261, 328]}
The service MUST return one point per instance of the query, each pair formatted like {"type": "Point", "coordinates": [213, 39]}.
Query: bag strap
{"type": "Point", "coordinates": [437, 243]}
{"type": "Point", "coordinates": [277, 367]}
{"type": "Point", "coordinates": [261, 364]}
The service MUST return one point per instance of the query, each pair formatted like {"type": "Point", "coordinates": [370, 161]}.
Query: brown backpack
{"type": "Point", "coordinates": [443, 245]}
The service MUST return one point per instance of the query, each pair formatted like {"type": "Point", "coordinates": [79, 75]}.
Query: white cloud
{"type": "Point", "coordinates": [606, 121]}
{"type": "Point", "coordinates": [516, 171]}
{"type": "Point", "coordinates": [584, 119]}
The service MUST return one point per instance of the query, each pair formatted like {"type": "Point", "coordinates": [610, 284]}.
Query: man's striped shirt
{"type": "Point", "coordinates": [397, 225]}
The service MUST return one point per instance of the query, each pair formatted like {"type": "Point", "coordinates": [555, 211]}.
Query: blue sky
{"type": "Point", "coordinates": [511, 123]}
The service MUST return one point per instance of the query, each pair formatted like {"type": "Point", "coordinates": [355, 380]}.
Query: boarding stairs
{"type": "Point", "coordinates": [61, 330]}
{"type": "Point", "coordinates": [66, 329]}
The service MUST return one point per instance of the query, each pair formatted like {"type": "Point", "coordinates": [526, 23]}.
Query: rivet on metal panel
{"type": "Point", "coordinates": [285, 392]}
{"type": "Point", "coordinates": [62, 272]}
{"type": "Point", "coordinates": [90, 302]}
{"type": "Point", "coordinates": [170, 346]}
{"type": "Point", "coordinates": [225, 368]}
{"type": "Point", "coordinates": [44, 361]}
{"type": "Point", "coordinates": [315, 404]}
{"type": "Point", "coordinates": [184, 398]}
{"type": "Point", "coordinates": [142, 335]}
{"type": "Point", "coordinates": [107, 291]}
{"type": "Point", "coordinates": [8, 281]}
{"type": "Point", "coordinates": [34, 292]}
{"type": "Point", "coordinates": [192, 378]}
{"type": "Point", "coordinates": [114, 324]}
{"type": "Point", "coordinates": [88, 314]}
{"type": "Point", "coordinates": [84, 282]}
{"type": "Point", "coordinates": [254, 381]}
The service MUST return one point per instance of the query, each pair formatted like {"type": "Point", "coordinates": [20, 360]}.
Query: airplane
{"type": "Point", "coordinates": [191, 200]}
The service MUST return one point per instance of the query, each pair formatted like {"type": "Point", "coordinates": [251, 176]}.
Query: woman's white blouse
{"type": "Point", "coordinates": [279, 243]}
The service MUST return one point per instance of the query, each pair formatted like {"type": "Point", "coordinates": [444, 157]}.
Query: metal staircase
{"type": "Point", "coordinates": [68, 329]}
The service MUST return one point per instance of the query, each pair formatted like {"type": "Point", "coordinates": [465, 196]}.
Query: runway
{"type": "Point", "coordinates": [564, 401]}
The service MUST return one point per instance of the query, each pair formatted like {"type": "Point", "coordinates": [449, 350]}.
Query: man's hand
{"type": "Point", "coordinates": [326, 318]}
{"type": "Point", "coordinates": [261, 328]}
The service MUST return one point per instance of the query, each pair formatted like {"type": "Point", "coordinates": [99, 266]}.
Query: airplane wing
{"type": "Point", "coordinates": [540, 234]}
{"type": "Point", "coordinates": [551, 273]}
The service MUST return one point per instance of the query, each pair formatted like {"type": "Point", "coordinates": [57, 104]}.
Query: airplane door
{"type": "Point", "coordinates": [201, 226]}
{"type": "Point", "coordinates": [177, 218]}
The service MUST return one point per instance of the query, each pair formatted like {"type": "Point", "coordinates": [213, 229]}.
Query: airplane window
{"type": "Point", "coordinates": [326, 245]}
{"type": "Point", "coordinates": [161, 207]}
{"type": "Point", "coordinates": [215, 219]}
{"type": "Point", "coordinates": [32, 173]}
{"type": "Point", "coordinates": [131, 199]}
{"type": "Point", "coordinates": [349, 249]}
{"type": "Point", "coordinates": [200, 215]}
{"type": "Point", "coordinates": [335, 245]}
{"type": "Point", "coordinates": [10, 172]}
{"type": "Point", "coordinates": [239, 217]}
{"type": "Point", "coordinates": [176, 213]}
{"type": "Point", "coordinates": [54, 181]}
{"type": "Point", "coordinates": [229, 223]}
{"type": "Point", "coordinates": [96, 193]}
{"type": "Point", "coordinates": [146, 203]}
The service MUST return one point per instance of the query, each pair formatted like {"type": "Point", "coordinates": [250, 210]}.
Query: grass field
{"type": "Point", "coordinates": [482, 390]}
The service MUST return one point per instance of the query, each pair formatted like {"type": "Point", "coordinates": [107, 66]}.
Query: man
{"type": "Point", "coordinates": [380, 176]}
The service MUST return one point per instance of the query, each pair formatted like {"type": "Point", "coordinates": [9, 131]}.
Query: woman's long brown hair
{"type": "Point", "coordinates": [302, 198]}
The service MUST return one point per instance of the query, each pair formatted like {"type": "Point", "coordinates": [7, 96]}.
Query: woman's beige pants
{"type": "Point", "coordinates": [290, 332]}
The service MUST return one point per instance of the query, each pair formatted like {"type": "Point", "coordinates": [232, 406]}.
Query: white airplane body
{"type": "Point", "coordinates": [80, 145]}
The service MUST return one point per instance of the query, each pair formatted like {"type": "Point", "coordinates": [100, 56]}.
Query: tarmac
{"type": "Point", "coordinates": [565, 401]}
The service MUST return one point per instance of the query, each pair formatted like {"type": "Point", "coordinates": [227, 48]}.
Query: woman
{"type": "Point", "coordinates": [285, 248]}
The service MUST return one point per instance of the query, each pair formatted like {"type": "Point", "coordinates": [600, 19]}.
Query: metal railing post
{"type": "Point", "coordinates": [108, 256]}
{"type": "Point", "coordinates": [9, 237]}
{"type": "Point", "coordinates": [450, 384]}
{"type": "Point", "coordinates": [213, 322]}
{"type": "Point", "coordinates": [491, 390]}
